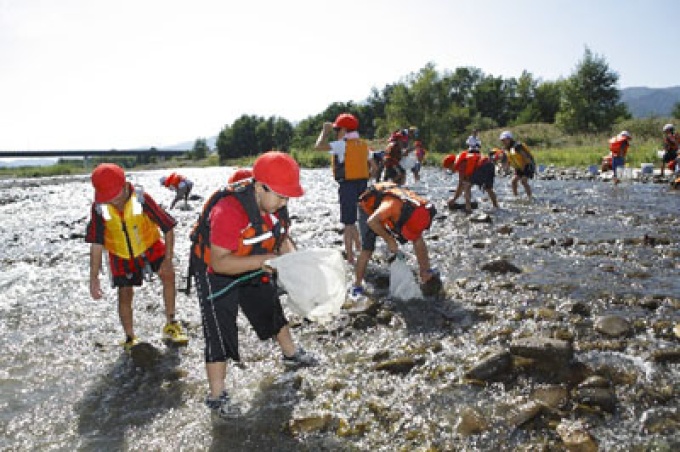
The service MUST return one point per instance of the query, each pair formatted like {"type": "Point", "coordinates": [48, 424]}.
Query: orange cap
{"type": "Point", "coordinates": [416, 224]}
{"type": "Point", "coordinates": [280, 172]}
{"type": "Point", "coordinates": [240, 174]}
{"type": "Point", "coordinates": [108, 180]}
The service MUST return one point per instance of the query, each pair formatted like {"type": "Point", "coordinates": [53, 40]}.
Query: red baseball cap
{"type": "Point", "coordinates": [414, 227]}
{"type": "Point", "coordinates": [108, 180]}
{"type": "Point", "coordinates": [280, 172]}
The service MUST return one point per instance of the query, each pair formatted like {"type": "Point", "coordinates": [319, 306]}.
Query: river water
{"type": "Point", "coordinates": [586, 249]}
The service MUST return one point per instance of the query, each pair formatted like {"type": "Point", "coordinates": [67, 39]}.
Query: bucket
{"type": "Point", "coordinates": [647, 168]}
{"type": "Point", "coordinates": [592, 169]}
{"type": "Point", "coordinates": [660, 154]}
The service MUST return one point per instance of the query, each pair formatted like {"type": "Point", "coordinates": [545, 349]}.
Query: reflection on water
{"type": "Point", "coordinates": [585, 248]}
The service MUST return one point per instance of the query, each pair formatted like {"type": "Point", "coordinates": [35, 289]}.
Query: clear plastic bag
{"type": "Point", "coordinates": [403, 284]}
{"type": "Point", "coordinates": [314, 280]}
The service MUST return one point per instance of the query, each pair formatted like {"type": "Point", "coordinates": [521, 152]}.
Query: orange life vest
{"type": "Point", "coordinates": [373, 196]}
{"type": "Point", "coordinates": [472, 162]}
{"type": "Point", "coordinates": [173, 180]}
{"type": "Point", "coordinates": [355, 164]}
{"type": "Point", "coordinates": [618, 146]}
{"type": "Point", "coordinates": [128, 234]}
{"type": "Point", "coordinates": [257, 238]}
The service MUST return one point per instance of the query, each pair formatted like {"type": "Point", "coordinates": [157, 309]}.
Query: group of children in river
{"type": "Point", "coordinates": [615, 161]}
{"type": "Point", "coordinates": [246, 223]}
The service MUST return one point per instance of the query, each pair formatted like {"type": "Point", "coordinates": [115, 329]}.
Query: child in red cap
{"type": "Point", "coordinates": [128, 224]}
{"type": "Point", "coordinates": [396, 215]}
{"type": "Point", "coordinates": [240, 228]}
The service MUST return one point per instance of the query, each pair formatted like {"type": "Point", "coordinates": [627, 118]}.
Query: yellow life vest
{"type": "Point", "coordinates": [130, 234]}
{"type": "Point", "coordinates": [516, 158]}
{"type": "Point", "coordinates": [355, 165]}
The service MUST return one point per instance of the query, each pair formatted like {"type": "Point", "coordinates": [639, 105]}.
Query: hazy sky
{"type": "Point", "coordinates": [102, 74]}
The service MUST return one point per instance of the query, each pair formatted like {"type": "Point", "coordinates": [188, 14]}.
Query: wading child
{"type": "Point", "coordinates": [241, 227]}
{"type": "Point", "coordinates": [128, 224]}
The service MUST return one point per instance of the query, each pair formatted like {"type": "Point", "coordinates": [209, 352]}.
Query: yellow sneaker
{"type": "Point", "coordinates": [129, 342]}
{"type": "Point", "coordinates": [173, 332]}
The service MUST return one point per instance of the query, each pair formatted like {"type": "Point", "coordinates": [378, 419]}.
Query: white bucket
{"type": "Point", "coordinates": [660, 154]}
{"type": "Point", "coordinates": [647, 168]}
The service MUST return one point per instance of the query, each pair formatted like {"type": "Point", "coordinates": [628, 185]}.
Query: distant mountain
{"type": "Point", "coordinates": [644, 102]}
{"type": "Point", "coordinates": [16, 163]}
{"type": "Point", "coordinates": [211, 142]}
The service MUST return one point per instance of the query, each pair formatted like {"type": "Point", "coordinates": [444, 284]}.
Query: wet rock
{"type": "Point", "coordinates": [302, 426]}
{"type": "Point", "coordinates": [493, 367]}
{"type": "Point", "coordinates": [543, 349]}
{"type": "Point", "coordinates": [364, 305]}
{"type": "Point", "coordinates": [504, 230]}
{"type": "Point", "coordinates": [397, 366]}
{"type": "Point", "coordinates": [481, 218]}
{"type": "Point", "coordinates": [552, 396]}
{"type": "Point", "coordinates": [470, 422]}
{"type": "Point", "coordinates": [603, 398]}
{"type": "Point", "coordinates": [364, 322]}
{"type": "Point", "coordinates": [432, 287]}
{"type": "Point", "coordinates": [567, 242]}
{"type": "Point", "coordinates": [145, 355]}
{"type": "Point", "coordinates": [500, 266]}
{"type": "Point", "coordinates": [613, 325]}
{"type": "Point", "coordinates": [662, 421]}
{"type": "Point", "coordinates": [384, 317]}
{"type": "Point", "coordinates": [595, 381]}
{"type": "Point", "coordinates": [521, 414]}
{"type": "Point", "coordinates": [575, 436]}
{"type": "Point", "coordinates": [667, 355]}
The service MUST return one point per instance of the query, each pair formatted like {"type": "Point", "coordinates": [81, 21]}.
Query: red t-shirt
{"type": "Point", "coordinates": [228, 219]}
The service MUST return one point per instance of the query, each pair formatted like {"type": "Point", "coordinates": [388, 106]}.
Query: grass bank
{"type": "Point", "coordinates": [547, 142]}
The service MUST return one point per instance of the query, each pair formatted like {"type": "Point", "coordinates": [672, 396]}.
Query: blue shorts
{"type": "Point", "coordinates": [617, 162]}
{"type": "Point", "coordinates": [349, 192]}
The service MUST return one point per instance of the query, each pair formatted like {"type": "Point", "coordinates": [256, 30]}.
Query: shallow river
{"type": "Point", "coordinates": [393, 375]}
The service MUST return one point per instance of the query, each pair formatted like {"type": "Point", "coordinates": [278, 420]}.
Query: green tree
{"type": "Point", "coordinates": [200, 149]}
{"type": "Point", "coordinates": [676, 110]}
{"type": "Point", "coordinates": [591, 102]}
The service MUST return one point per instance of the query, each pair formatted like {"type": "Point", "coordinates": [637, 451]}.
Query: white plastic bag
{"type": "Point", "coordinates": [314, 280]}
{"type": "Point", "coordinates": [403, 284]}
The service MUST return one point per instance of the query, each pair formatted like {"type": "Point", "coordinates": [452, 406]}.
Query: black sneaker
{"type": "Point", "coordinates": [222, 406]}
{"type": "Point", "coordinates": [301, 358]}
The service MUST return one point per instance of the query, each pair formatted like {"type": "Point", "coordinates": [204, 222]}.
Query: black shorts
{"type": "Point", "coordinates": [529, 171]}
{"type": "Point", "coordinates": [136, 277]}
{"type": "Point", "coordinates": [394, 174]}
{"type": "Point", "coordinates": [258, 300]}
{"type": "Point", "coordinates": [484, 176]}
{"type": "Point", "coordinates": [669, 156]}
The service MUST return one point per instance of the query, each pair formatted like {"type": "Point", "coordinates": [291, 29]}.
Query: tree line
{"type": "Point", "coordinates": [446, 106]}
